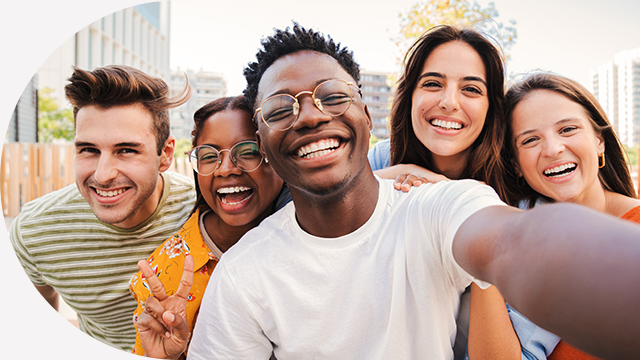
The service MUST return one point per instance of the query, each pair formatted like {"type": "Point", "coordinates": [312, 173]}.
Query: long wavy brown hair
{"type": "Point", "coordinates": [614, 176]}
{"type": "Point", "coordinates": [484, 163]}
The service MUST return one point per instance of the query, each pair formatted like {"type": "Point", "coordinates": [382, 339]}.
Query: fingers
{"type": "Point", "coordinates": [404, 182]}
{"type": "Point", "coordinates": [155, 285]}
{"type": "Point", "coordinates": [179, 327]}
{"type": "Point", "coordinates": [147, 322]}
{"type": "Point", "coordinates": [187, 278]}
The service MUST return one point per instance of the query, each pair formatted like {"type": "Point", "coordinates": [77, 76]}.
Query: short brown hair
{"type": "Point", "coordinates": [120, 85]}
{"type": "Point", "coordinates": [614, 176]}
{"type": "Point", "coordinates": [484, 163]}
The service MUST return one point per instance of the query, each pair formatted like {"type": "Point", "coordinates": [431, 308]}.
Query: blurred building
{"type": "Point", "coordinates": [616, 85]}
{"type": "Point", "coordinates": [137, 36]}
{"type": "Point", "coordinates": [23, 126]}
{"type": "Point", "coordinates": [206, 85]}
{"type": "Point", "coordinates": [376, 94]}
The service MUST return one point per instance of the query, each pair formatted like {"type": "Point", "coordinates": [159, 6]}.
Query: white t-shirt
{"type": "Point", "coordinates": [389, 290]}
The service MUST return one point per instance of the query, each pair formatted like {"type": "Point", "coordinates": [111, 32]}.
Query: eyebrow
{"type": "Point", "coordinates": [288, 92]}
{"type": "Point", "coordinates": [442, 76]}
{"type": "Point", "coordinates": [562, 121]}
{"type": "Point", "coordinates": [118, 145]}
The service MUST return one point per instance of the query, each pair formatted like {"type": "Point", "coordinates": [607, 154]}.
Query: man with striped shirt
{"type": "Point", "coordinates": [83, 242]}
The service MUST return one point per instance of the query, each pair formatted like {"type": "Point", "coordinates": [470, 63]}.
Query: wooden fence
{"type": "Point", "coordinates": [28, 171]}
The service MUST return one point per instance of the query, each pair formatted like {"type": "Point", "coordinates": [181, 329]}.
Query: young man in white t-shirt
{"type": "Point", "coordinates": [355, 270]}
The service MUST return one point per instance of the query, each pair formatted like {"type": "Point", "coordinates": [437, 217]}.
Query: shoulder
{"type": "Point", "coordinates": [65, 201]}
{"type": "Point", "coordinates": [380, 154]}
{"type": "Point", "coordinates": [179, 182]}
{"type": "Point", "coordinates": [266, 238]}
{"type": "Point", "coordinates": [448, 191]}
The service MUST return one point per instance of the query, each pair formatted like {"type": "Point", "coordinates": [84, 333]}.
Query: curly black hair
{"type": "Point", "coordinates": [289, 41]}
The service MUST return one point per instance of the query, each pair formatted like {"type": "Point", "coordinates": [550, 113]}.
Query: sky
{"type": "Point", "coordinates": [569, 37]}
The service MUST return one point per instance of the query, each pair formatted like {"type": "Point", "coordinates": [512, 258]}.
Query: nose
{"type": "Point", "coordinates": [106, 170]}
{"type": "Point", "coordinates": [552, 147]}
{"type": "Point", "coordinates": [310, 115]}
{"type": "Point", "coordinates": [450, 99]}
{"type": "Point", "coordinates": [226, 166]}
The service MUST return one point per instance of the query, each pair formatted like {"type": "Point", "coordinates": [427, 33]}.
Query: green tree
{"type": "Point", "coordinates": [462, 13]}
{"type": "Point", "coordinates": [54, 123]}
{"type": "Point", "coordinates": [182, 145]}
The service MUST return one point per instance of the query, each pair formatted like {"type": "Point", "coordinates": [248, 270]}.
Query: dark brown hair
{"type": "Point", "coordinates": [484, 163]}
{"type": "Point", "coordinates": [199, 119]}
{"type": "Point", "coordinates": [614, 176]}
{"type": "Point", "coordinates": [120, 85]}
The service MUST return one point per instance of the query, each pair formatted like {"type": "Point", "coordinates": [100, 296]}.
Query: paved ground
{"type": "Point", "coordinates": [64, 310]}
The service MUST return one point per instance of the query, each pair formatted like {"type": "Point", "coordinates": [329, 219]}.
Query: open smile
{"type": "Point", "coordinates": [319, 148]}
{"type": "Point", "coordinates": [110, 196]}
{"type": "Point", "coordinates": [560, 170]}
{"type": "Point", "coordinates": [446, 125]}
{"type": "Point", "coordinates": [233, 196]}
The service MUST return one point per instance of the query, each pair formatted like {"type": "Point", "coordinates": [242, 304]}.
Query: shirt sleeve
{"type": "Point", "coordinates": [453, 203]}
{"type": "Point", "coordinates": [225, 328]}
{"type": "Point", "coordinates": [380, 155]}
{"type": "Point", "coordinates": [23, 254]}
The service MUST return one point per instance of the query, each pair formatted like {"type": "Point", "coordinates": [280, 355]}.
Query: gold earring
{"type": "Point", "coordinates": [601, 161]}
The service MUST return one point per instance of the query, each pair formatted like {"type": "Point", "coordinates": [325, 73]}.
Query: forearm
{"type": "Point", "coordinates": [569, 269]}
{"type": "Point", "coordinates": [51, 295]}
{"type": "Point", "coordinates": [491, 335]}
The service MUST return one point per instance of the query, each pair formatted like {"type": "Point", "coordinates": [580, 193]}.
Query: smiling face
{"type": "Point", "coordinates": [450, 102]}
{"type": "Point", "coordinates": [116, 163]}
{"type": "Point", "coordinates": [556, 147]}
{"type": "Point", "coordinates": [319, 154]}
{"type": "Point", "coordinates": [238, 198]}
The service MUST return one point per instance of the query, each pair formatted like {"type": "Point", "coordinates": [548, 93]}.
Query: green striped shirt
{"type": "Point", "coordinates": [61, 243]}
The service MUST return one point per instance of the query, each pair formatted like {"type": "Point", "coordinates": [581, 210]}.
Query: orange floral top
{"type": "Point", "coordinates": [167, 261]}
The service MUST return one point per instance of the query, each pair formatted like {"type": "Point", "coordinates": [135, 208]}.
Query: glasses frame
{"type": "Point", "coordinates": [219, 162]}
{"type": "Point", "coordinates": [316, 102]}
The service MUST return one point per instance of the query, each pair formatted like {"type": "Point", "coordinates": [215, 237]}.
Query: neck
{"type": "Point", "coordinates": [451, 166]}
{"type": "Point", "coordinates": [225, 235]}
{"type": "Point", "coordinates": [339, 213]}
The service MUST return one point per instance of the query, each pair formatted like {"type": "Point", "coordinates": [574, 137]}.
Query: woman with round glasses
{"type": "Point", "coordinates": [236, 189]}
{"type": "Point", "coordinates": [445, 118]}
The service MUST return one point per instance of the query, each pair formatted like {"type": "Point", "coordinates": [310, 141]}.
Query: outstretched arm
{"type": "Point", "coordinates": [569, 269]}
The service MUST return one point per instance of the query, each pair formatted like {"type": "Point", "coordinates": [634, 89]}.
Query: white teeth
{"type": "Point", "coordinates": [109, 193]}
{"type": "Point", "coordinates": [553, 171]}
{"type": "Point", "coordinates": [232, 189]}
{"type": "Point", "coordinates": [446, 124]}
{"type": "Point", "coordinates": [318, 148]}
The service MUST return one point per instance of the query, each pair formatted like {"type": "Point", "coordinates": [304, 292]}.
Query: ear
{"type": "Point", "coordinates": [166, 157]}
{"type": "Point", "coordinates": [264, 155]}
{"type": "Point", "coordinates": [369, 122]}
{"type": "Point", "coordinates": [600, 144]}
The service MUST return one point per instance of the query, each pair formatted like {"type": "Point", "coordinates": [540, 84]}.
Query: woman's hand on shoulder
{"type": "Point", "coordinates": [409, 175]}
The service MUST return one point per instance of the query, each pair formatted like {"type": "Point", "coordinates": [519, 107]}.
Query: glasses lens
{"type": "Point", "coordinates": [335, 97]}
{"type": "Point", "coordinates": [246, 155]}
{"type": "Point", "coordinates": [204, 159]}
{"type": "Point", "coordinates": [277, 111]}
